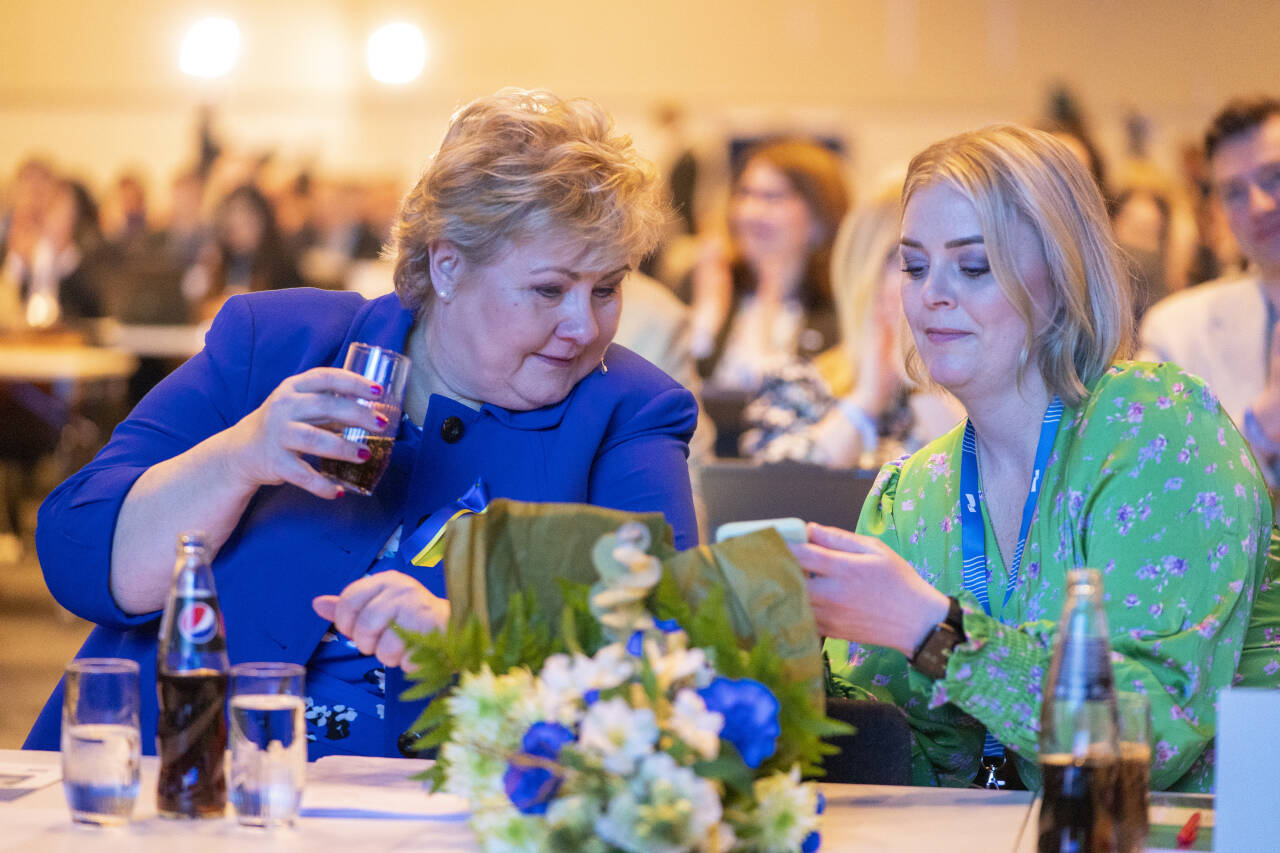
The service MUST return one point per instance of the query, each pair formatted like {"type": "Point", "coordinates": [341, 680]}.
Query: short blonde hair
{"type": "Point", "coordinates": [519, 162]}
{"type": "Point", "coordinates": [1010, 174]}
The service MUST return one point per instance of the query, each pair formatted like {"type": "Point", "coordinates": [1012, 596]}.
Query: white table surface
{"type": "Point", "coordinates": [371, 805]}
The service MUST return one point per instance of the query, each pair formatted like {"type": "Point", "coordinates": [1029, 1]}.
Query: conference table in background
{"type": "Point", "coordinates": [81, 378]}
{"type": "Point", "coordinates": [176, 342]}
{"type": "Point", "coordinates": [371, 805]}
{"type": "Point", "coordinates": [64, 364]}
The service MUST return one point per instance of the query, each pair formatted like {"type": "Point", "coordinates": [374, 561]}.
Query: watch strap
{"type": "Point", "coordinates": [931, 655]}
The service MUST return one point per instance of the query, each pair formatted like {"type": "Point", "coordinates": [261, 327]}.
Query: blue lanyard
{"type": "Point", "coordinates": [973, 536]}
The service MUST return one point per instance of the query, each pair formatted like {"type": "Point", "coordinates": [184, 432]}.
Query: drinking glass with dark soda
{"type": "Point", "coordinates": [389, 369]}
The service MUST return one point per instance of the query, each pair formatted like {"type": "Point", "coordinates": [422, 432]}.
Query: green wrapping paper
{"type": "Point", "coordinates": [525, 546]}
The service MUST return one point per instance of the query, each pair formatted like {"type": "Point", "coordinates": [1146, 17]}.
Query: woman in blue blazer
{"type": "Point", "coordinates": [510, 254]}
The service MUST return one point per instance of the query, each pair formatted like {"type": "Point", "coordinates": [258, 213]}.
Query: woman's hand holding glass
{"type": "Point", "coordinates": [368, 607]}
{"type": "Point", "coordinates": [862, 591]}
{"type": "Point", "coordinates": [298, 418]}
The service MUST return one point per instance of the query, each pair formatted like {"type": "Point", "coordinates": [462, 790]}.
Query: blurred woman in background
{"type": "Point", "coordinates": [765, 294]}
{"type": "Point", "coordinates": [56, 277]}
{"type": "Point", "coordinates": [853, 405]}
{"type": "Point", "coordinates": [249, 254]}
{"type": "Point", "coordinates": [1142, 219]}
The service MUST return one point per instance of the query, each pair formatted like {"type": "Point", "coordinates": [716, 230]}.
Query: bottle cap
{"type": "Point", "coordinates": [191, 539]}
{"type": "Point", "coordinates": [1084, 577]}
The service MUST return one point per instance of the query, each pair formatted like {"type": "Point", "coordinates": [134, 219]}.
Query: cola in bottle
{"type": "Point", "coordinates": [191, 685]}
{"type": "Point", "coordinates": [1079, 759]}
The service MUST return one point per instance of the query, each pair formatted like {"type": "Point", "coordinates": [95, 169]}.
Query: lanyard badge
{"type": "Point", "coordinates": [973, 537]}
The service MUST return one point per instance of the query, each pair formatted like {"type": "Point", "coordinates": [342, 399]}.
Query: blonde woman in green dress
{"type": "Point", "coordinates": [1015, 297]}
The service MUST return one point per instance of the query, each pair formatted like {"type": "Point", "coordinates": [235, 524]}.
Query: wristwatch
{"type": "Point", "coordinates": [931, 655]}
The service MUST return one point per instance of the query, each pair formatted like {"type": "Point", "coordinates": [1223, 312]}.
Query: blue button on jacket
{"type": "Point", "coordinates": [620, 439]}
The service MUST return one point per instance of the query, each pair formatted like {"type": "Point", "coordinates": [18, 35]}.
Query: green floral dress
{"type": "Point", "coordinates": [1148, 481]}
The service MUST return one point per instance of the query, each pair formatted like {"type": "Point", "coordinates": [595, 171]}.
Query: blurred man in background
{"type": "Point", "coordinates": [1226, 330]}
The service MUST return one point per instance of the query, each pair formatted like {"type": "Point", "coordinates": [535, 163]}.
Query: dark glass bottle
{"type": "Point", "coordinates": [1078, 752]}
{"type": "Point", "coordinates": [191, 686]}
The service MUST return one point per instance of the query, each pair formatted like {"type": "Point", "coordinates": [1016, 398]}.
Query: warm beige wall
{"type": "Point", "coordinates": [94, 83]}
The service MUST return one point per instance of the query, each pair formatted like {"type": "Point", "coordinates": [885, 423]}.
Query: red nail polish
{"type": "Point", "coordinates": [382, 420]}
{"type": "Point", "coordinates": [341, 492]}
{"type": "Point", "coordinates": [363, 453]}
{"type": "Point", "coordinates": [375, 389]}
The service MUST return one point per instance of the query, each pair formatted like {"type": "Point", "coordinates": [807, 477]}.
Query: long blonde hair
{"type": "Point", "coordinates": [1011, 174]}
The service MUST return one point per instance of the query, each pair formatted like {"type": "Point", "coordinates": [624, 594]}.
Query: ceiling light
{"type": "Point", "coordinates": [397, 53]}
{"type": "Point", "coordinates": [210, 48]}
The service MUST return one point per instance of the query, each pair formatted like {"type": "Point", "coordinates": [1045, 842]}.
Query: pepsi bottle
{"type": "Point", "coordinates": [191, 685]}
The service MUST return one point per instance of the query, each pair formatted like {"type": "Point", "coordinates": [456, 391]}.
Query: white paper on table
{"type": "Point", "coordinates": [18, 779]}
{"type": "Point", "coordinates": [344, 786]}
{"type": "Point", "coordinates": [1248, 752]}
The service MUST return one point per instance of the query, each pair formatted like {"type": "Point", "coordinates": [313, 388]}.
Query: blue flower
{"type": "Point", "coordinates": [635, 643]}
{"type": "Point", "coordinates": [811, 843]}
{"type": "Point", "coordinates": [531, 788]}
{"type": "Point", "coordinates": [750, 716]}
{"type": "Point", "coordinates": [545, 739]}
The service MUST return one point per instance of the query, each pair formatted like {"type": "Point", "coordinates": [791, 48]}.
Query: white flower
{"type": "Point", "coordinates": [575, 812]}
{"type": "Point", "coordinates": [492, 709]}
{"type": "Point", "coordinates": [474, 773]}
{"type": "Point", "coordinates": [564, 680]}
{"type": "Point", "coordinates": [557, 693]}
{"type": "Point", "coordinates": [786, 811]}
{"type": "Point", "coordinates": [610, 667]}
{"type": "Point", "coordinates": [673, 661]}
{"type": "Point", "coordinates": [720, 839]}
{"type": "Point", "coordinates": [558, 674]}
{"type": "Point", "coordinates": [619, 734]}
{"type": "Point", "coordinates": [505, 830]}
{"type": "Point", "coordinates": [665, 809]}
{"type": "Point", "coordinates": [695, 725]}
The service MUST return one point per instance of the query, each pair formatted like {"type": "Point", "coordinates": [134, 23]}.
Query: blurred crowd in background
{"type": "Point", "coordinates": [230, 223]}
{"type": "Point", "coordinates": [786, 273]}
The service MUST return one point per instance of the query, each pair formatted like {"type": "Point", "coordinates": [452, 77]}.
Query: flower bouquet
{"type": "Point", "coordinates": [631, 720]}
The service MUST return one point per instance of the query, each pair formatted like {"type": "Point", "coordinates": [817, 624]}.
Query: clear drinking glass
{"type": "Point", "coordinates": [390, 370]}
{"type": "Point", "coordinates": [268, 742]}
{"type": "Point", "coordinates": [101, 745]}
{"type": "Point", "coordinates": [1133, 733]}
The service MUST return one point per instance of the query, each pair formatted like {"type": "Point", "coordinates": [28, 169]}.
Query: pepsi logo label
{"type": "Point", "coordinates": [198, 622]}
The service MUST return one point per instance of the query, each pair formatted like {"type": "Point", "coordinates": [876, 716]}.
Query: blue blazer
{"type": "Point", "coordinates": [618, 440]}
